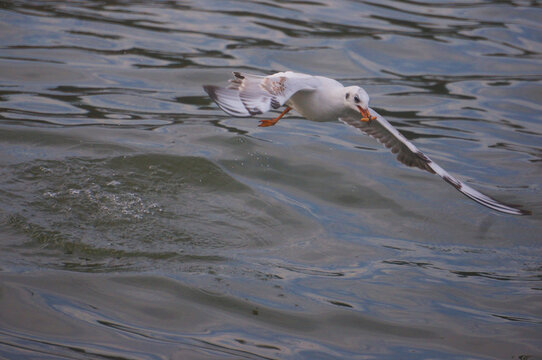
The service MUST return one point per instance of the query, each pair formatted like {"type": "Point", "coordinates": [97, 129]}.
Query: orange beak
{"type": "Point", "coordinates": [365, 113]}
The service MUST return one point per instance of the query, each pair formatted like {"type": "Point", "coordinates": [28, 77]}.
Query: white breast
{"type": "Point", "coordinates": [325, 103]}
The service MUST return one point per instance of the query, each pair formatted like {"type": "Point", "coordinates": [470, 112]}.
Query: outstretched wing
{"type": "Point", "coordinates": [249, 95]}
{"type": "Point", "coordinates": [410, 155]}
{"type": "Point", "coordinates": [227, 99]}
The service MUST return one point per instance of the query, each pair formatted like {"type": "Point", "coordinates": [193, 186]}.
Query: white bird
{"type": "Point", "coordinates": [319, 98]}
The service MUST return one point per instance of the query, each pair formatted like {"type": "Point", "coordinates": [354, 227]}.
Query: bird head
{"type": "Point", "coordinates": [357, 99]}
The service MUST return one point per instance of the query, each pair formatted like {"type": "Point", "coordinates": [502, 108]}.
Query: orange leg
{"type": "Point", "coordinates": [265, 123]}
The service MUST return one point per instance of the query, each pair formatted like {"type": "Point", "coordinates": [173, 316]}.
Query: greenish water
{"type": "Point", "coordinates": [138, 221]}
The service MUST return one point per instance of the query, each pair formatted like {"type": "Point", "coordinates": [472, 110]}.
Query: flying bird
{"type": "Point", "coordinates": [319, 98]}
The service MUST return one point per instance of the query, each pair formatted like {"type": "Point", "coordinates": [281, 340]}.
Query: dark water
{"type": "Point", "coordinates": [137, 221]}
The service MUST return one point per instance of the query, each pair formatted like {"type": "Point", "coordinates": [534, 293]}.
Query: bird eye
{"type": "Point", "coordinates": [347, 95]}
{"type": "Point", "coordinates": [356, 99]}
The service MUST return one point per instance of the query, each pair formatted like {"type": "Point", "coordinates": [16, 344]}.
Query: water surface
{"type": "Point", "coordinates": [138, 221]}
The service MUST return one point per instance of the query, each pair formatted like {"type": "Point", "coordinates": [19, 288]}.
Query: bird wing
{"type": "Point", "coordinates": [249, 95]}
{"type": "Point", "coordinates": [410, 155]}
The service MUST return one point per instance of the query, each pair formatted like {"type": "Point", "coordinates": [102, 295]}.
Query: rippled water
{"type": "Point", "coordinates": [138, 221]}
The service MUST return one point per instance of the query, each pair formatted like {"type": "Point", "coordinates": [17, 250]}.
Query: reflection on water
{"type": "Point", "coordinates": [139, 221]}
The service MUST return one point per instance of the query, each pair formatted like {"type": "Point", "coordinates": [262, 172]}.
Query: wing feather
{"type": "Point", "coordinates": [227, 99]}
{"type": "Point", "coordinates": [408, 154]}
{"type": "Point", "coordinates": [249, 94]}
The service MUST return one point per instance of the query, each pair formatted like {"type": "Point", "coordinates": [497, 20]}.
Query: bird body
{"type": "Point", "coordinates": [315, 105]}
{"type": "Point", "coordinates": [320, 98]}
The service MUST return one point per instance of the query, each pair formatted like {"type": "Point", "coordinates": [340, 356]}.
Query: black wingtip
{"type": "Point", "coordinates": [519, 211]}
{"type": "Point", "coordinates": [524, 212]}
{"type": "Point", "coordinates": [210, 90]}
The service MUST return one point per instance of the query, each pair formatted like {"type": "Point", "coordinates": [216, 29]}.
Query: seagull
{"type": "Point", "coordinates": [319, 98]}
